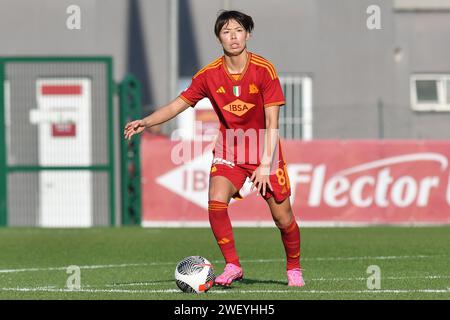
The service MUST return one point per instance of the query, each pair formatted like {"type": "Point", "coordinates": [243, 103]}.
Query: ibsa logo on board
{"type": "Point", "coordinates": [238, 107]}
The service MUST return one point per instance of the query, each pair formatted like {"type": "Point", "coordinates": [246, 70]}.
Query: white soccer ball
{"type": "Point", "coordinates": [194, 274]}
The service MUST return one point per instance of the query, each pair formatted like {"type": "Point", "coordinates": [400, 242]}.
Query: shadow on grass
{"type": "Point", "coordinates": [247, 281]}
{"type": "Point", "coordinates": [267, 281]}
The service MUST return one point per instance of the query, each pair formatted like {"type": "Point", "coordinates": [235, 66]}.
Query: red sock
{"type": "Point", "coordinates": [222, 229]}
{"type": "Point", "coordinates": [291, 241]}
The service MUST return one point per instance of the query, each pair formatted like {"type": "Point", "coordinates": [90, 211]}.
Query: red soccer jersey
{"type": "Point", "coordinates": [239, 104]}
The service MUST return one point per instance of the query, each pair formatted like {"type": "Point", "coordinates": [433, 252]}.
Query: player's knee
{"type": "Point", "coordinates": [283, 221]}
{"type": "Point", "coordinates": [217, 195]}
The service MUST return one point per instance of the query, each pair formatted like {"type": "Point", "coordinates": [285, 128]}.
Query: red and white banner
{"type": "Point", "coordinates": [333, 182]}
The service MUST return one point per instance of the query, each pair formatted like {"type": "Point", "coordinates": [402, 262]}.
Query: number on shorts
{"type": "Point", "coordinates": [282, 176]}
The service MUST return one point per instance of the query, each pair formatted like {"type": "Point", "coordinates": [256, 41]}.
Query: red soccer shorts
{"type": "Point", "coordinates": [237, 174]}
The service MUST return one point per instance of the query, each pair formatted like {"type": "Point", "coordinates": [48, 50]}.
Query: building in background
{"type": "Point", "coordinates": [342, 79]}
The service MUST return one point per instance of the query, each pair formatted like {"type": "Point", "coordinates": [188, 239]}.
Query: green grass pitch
{"type": "Point", "coordinates": [139, 263]}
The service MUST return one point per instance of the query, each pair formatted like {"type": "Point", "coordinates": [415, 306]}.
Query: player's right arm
{"type": "Point", "coordinates": [196, 91]}
{"type": "Point", "coordinates": [161, 115]}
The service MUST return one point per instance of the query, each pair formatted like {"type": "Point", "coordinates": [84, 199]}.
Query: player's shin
{"type": "Point", "coordinates": [290, 236]}
{"type": "Point", "coordinates": [222, 229]}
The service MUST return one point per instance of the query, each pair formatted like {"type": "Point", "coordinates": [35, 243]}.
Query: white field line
{"type": "Point", "coordinates": [126, 265]}
{"type": "Point", "coordinates": [131, 284]}
{"type": "Point", "coordinates": [338, 291]}
{"type": "Point", "coordinates": [139, 284]}
{"type": "Point", "coordinates": [382, 278]}
{"type": "Point", "coordinates": [105, 266]}
{"type": "Point", "coordinates": [299, 291]}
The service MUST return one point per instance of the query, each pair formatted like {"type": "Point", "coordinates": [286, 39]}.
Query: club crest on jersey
{"type": "Point", "coordinates": [237, 90]}
{"type": "Point", "coordinates": [238, 107]}
{"type": "Point", "coordinates": [253, 89]}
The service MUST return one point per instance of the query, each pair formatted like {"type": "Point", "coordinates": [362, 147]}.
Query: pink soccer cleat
{"type": "Point", "coordinates": [295, 278]}
{"type": "Point", "coordinates": [231, 273]}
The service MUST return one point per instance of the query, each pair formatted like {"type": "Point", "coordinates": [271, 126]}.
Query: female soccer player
{"type": "Point", "coordinates": [246, 94]}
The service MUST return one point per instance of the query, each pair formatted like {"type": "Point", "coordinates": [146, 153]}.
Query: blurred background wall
{"type": "Point", "coordinates": [361, 78]}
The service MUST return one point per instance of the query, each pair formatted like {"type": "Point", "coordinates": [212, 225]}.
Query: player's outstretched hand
{"type": "Point", "coordinates": [132, 128]}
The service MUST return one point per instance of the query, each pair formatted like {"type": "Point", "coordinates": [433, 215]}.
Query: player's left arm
{"type": "Point", "coordinates": [273, 98]}
{"type": "Point", "coordinates": [271, 135]}
{"type": "Point", "coordinates": [261, 175]}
